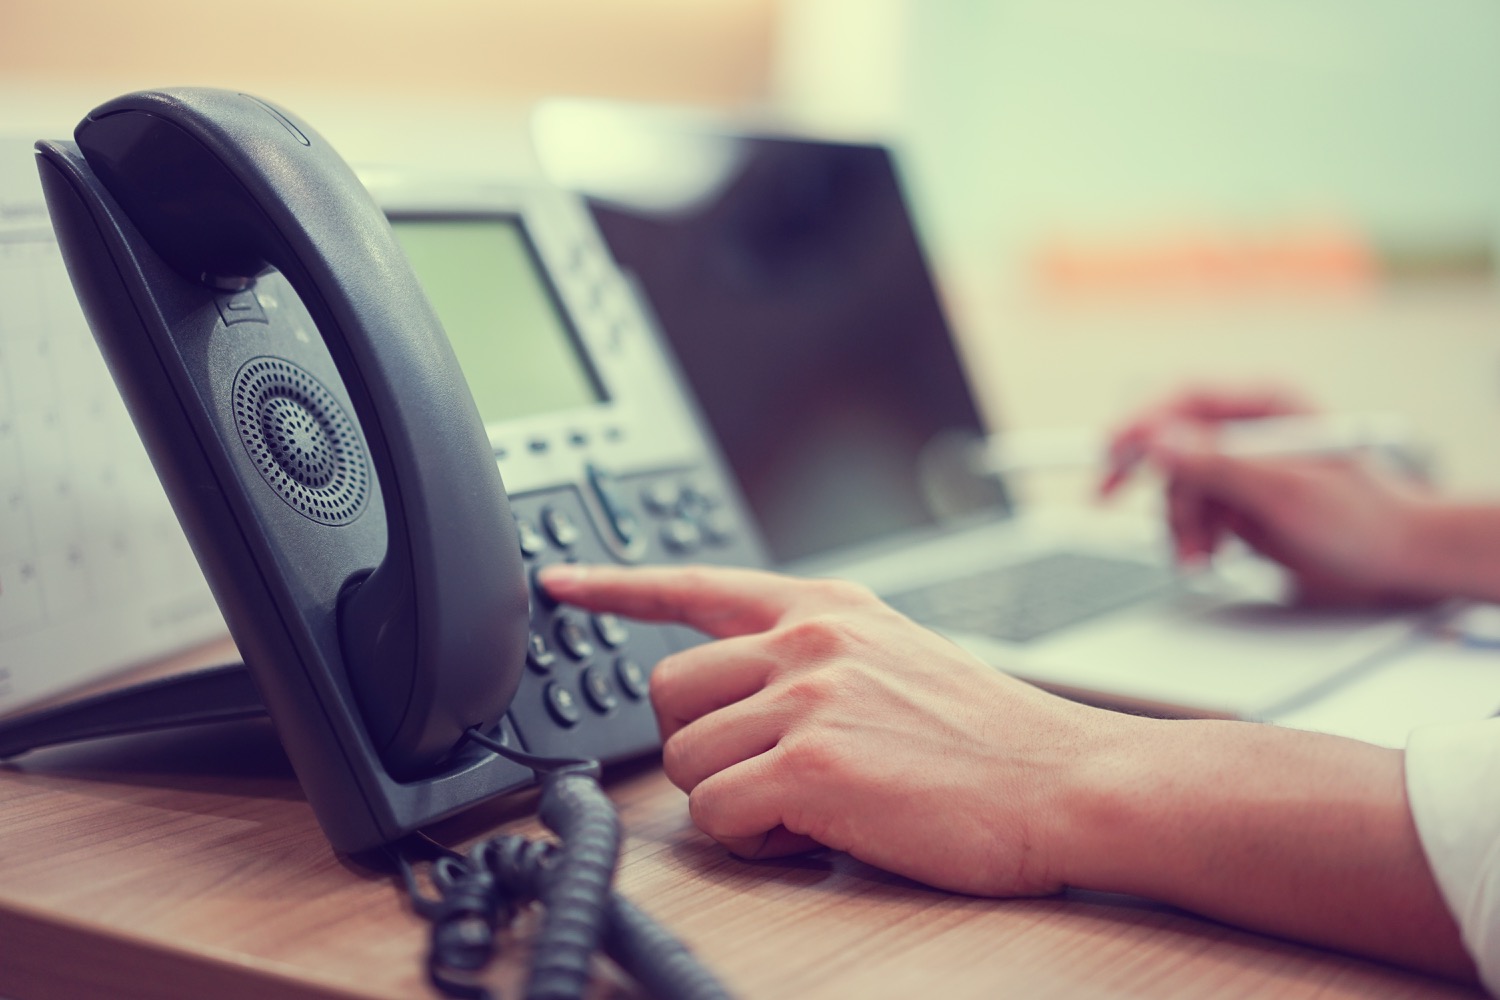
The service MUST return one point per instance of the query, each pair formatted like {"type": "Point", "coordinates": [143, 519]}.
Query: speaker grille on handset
{"type": "Point", "coordinates": [305, 446]}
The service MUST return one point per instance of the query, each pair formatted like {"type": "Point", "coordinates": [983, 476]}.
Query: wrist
{"type": "Point", "coordinates": [1448, 550]}
{"type": "Point", "coordinates": [1097, 808]}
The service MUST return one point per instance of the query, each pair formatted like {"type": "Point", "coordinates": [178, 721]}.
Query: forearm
{"type": "Point", "coordinates": [1452, 550]}
{"type": "Point", "coordinates": [1295, 834]}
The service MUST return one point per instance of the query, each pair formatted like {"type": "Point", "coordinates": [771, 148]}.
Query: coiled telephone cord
{"type": "Point", "coordinates": [483, 890]}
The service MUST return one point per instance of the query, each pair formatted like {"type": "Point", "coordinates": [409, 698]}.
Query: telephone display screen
{"type": "Point", "coordinates": [513, 341]}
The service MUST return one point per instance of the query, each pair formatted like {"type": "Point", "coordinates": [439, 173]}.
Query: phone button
{"type": "Point", "coordinates": [611, 631]}
{"type": "Point", "coordinates": [661, 497]}
{"type": "Point", "coordinates": [561, 527]}
{"type": "Point", "coordinates": [681, 536]}
{"type": "Point", "coordinates": [599, 691]}
{"type": "Point", "coordinates": [562, 704]}
{"type": "Point", "coordinates": [623, 520]}
{"type": "Point", "coordinates": [539, 655]}
{"type": "Point", "coordinates": [574, 638]}
{"type": "Point", "coordinates": [718, 527]}
{"type": "Point", "coordinates": [240, 307]}
{"type": "Point", "coordinates": [531, 541]}
{"type": "Point", "coordinates": [544, 597]}
{"type": "Point", "coordinates": [632, 677]}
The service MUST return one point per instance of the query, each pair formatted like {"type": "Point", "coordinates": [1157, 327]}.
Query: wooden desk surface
{"type": "Point", "coordinates": [187, 864]}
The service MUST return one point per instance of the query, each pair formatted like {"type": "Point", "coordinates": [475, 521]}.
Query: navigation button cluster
{"type": "Point", "coordinates": [689, 516]}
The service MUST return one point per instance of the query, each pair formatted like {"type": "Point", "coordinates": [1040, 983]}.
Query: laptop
{"type": "Point", "coordinates": [789, 279]}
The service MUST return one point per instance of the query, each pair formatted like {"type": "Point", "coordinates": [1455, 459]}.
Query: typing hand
{"type": "Point", "coordinates": [1340, 527]}
{"type": "Point", "coordinates": [823, 717]}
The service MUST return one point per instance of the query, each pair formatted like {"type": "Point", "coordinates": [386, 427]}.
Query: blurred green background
{"type": "Point", "coordinates": [1118, 196]}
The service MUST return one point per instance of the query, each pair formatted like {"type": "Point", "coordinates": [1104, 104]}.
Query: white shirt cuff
{"type": "Point", "coordinates": [1453, 786]}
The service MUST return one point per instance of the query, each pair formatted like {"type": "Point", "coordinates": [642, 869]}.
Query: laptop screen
{"type": "Point", "coordinates": [791, 285]}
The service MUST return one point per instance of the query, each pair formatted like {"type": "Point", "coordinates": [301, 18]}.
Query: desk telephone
{"type": "Point", "coordinates": [338, 481]}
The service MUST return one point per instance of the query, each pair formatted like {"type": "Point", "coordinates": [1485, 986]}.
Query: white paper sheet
{"type": "Point", "coordinates": [95, 573]}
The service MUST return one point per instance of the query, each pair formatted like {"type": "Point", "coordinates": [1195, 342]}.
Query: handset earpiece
{"type": "Point", "coordinates": [225, 187]}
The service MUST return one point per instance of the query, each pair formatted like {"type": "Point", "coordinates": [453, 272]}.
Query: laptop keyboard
{"type": "Point", "coordinates": [1022, 601]}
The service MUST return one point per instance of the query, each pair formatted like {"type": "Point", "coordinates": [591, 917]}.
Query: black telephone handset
{"type": "Point", "coordinates": [182, 214]}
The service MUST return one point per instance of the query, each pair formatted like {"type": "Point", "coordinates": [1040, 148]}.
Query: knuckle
{"type": "Point", "coordinates": [665, 679]}
{"type": "Point", "coordinates": [843, 592]}
{"type": "Point", "coordinates": [810, 692]}
{"type": "Point", "coordinates": [676, 752]}
{"type": "Point", "coordinates": [706, 811]}
{"type": "Point", "coordinates": [820, 637]}
{"type": "Point", "coordinates": [662, 690]}
{"type": "Point", "coordinates": [808, 761]}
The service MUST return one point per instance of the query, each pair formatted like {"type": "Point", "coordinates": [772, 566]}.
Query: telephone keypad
{"type": "Point", "coordinates": [589, 693]}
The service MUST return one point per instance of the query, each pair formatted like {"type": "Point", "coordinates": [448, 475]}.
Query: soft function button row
{"type": "Point", "coordinates": [691, 516]}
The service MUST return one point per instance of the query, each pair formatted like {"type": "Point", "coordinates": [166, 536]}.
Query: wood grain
{"type": "Point", "coordinates": [187, 864]}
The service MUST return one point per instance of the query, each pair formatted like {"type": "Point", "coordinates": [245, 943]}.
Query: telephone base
{"type": "Point", "coordinates": [223, 693]}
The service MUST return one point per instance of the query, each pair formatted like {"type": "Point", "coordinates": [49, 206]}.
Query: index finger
{"type": "Point", "coordinates": [721, 601]}
{"type": "Point", "coordinates": [1131, 443]}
